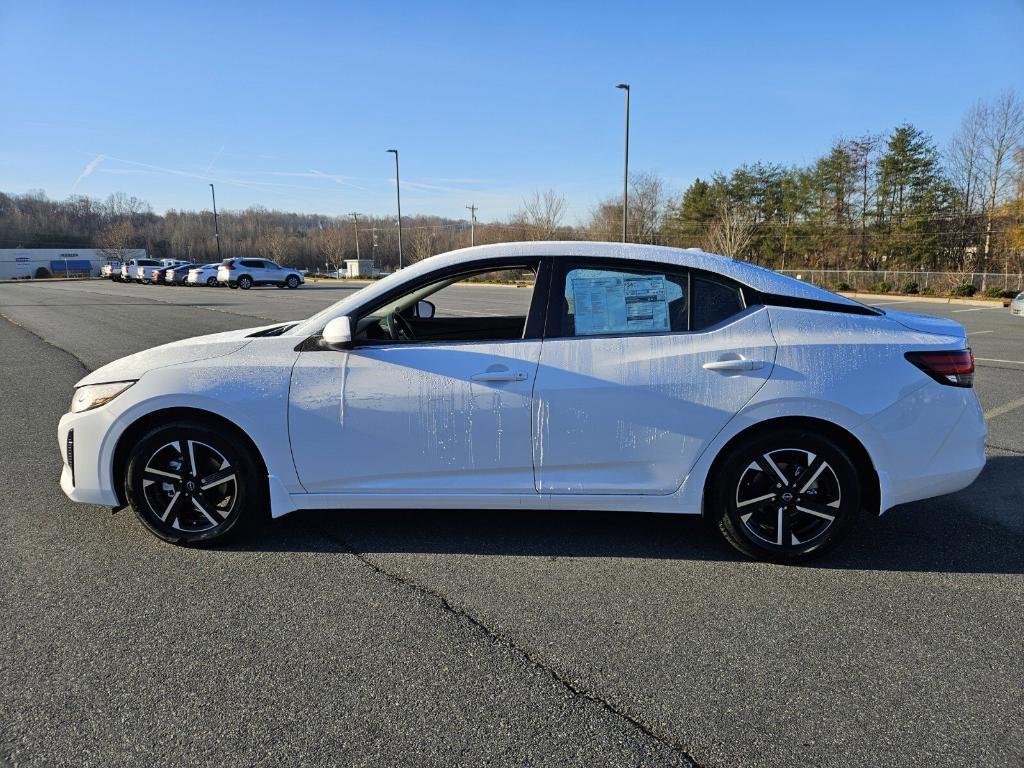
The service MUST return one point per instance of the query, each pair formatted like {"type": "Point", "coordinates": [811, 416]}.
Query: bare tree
{"type": "Point", "coordinates": [732, 231]}
{"type": "Point", "coordinates": [963, 160]}
{"type": "Point", "coordinates": [278, 246]}
{"type": "Point", "coordinates": [115, 240]}
{"type": "Point", "coordinates": [330, 245]}
{"type": "Point", "coordinates": [541, 214]}
{"type": "Point", "coordinates": [646, 207]}
{"type": "Point", "coordinates": [1002, 131]}
{"type": "Point", "coordinates": [422, 244]}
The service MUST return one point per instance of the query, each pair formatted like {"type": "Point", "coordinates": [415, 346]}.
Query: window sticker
{"type": "Point", "coordinates": [616, 304]}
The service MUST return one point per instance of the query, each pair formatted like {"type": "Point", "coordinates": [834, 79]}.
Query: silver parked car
{"type": "Point", "coordinates": [245, 273]}
{"type": "Point", "coordinates": [1017, 305]}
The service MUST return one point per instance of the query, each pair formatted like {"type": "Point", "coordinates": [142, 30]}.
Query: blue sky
{"type": "Point", "coordinates": [292, 105]}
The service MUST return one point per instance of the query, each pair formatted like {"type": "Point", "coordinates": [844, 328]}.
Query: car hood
{"type": "Point", "coordinates": [177, 352]}
{"type": "Point", "coordinates": [927, 323]}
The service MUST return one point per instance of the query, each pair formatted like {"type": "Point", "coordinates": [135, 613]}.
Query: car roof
{"type": "Point", "coordinates": [751, 275]}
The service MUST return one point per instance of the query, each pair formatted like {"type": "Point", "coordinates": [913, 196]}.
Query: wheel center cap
{"type": "Point", "coordinates": [787, 497]}
{"type": "Point", "coordinates": [190, 486]}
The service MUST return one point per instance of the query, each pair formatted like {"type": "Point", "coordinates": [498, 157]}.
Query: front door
{"type": "Point", "coordinates": [640, 370]}
{"type": "Point", "coordinates": [436, 404]}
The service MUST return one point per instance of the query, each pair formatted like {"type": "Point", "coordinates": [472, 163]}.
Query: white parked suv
{"type": "Point", "coordinates": [204, 275]}
{"type": "Point", "coordinates": [111, 270]}
{"type": "Point", "coordinates": [245, 273]}
{"type": "Point", "coordinates": [629, 377]}
{"type": "Point", "coordinates": [135, 269]}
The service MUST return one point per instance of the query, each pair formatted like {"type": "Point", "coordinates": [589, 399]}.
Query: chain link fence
{"type": "Point", "coordinates": [894, 281]}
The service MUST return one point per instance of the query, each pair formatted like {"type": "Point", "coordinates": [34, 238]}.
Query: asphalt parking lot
{"type": "Point", "coordinates": [487, 638]}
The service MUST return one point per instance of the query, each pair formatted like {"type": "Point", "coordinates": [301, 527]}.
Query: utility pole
{"type": "Point", "coordinates": [216, 227]}
{"type": "Point", "coordinates": [472, 224]}
{"type": "Point", "coordinates": [625, 174]}
{"type": "Point", "coordinates": [398, 198]}
{"type": "Point", "coordinates": [355, 225]}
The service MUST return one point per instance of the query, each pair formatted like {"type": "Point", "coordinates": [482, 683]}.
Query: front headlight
{"type": "Point", "coordinates": [94, 395]}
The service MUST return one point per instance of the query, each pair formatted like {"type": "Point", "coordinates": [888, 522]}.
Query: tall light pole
{"type": "Point", "coordinates": [216, 227]}
{"type": "Point", "coordinates": [625, 173]}
{"type": "Point", "coordinates": [355, 225]}
{"type": "Point", "coordinates": [472, 224]}
{"type": "Point", "coordinates": [398, 198]}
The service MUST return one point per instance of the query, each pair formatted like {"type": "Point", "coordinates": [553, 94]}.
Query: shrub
{"type": "Point", "coordinates": [843, 286]}
{"type": "Point", "coordinates": [911, 287]}
{"type": "Point", "coordinates": [882, 287]}
{"type": "Point", "coordinates": [998, 293]}
{"type": "Point", "coordinates": [963, 289]}
{"type": "Point", "coordinates": [926, 291]}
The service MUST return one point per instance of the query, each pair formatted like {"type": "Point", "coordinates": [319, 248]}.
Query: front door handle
{"type": "Point", "coordinates": [499, 376]}
{"type": "Point", "coordinates": [733, 365]}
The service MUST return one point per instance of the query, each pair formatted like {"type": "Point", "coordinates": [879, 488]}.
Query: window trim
{"type": "Point", "coordinates": [556, 294]}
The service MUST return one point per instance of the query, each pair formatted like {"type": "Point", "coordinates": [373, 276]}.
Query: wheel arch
{"type": "Point", "coordinates": [148, 421]}
{"type": "Point", "coordinates": [866, 471]}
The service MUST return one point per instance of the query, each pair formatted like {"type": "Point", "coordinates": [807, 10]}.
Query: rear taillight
{"type": "Point", "coordinates": [954, 367]}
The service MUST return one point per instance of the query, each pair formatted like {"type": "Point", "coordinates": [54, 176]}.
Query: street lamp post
{"type": "Point", "coordinates": [216, 227]}
{"type": "Point", "coordinates": [398, 199]}
{"type": "Point", "coordinates": [472, 224]}
{"type": "Point", "coordinates": [625, 173]}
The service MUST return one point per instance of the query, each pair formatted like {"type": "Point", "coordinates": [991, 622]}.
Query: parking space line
{"type": "Point", "coordinates": [997, 360]}
{"type": "Point", "coordinates": [978, 333]}
{"type": "Point", "coordinates": [972, 309]}
{"type": "Point", "coordinates": [1005, 408]}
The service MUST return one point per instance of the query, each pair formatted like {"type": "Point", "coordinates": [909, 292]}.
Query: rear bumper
{"type": "Point", "coordinates": [929, 444]}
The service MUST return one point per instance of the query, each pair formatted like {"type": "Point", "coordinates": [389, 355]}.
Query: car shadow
{"type": "Point", "coordinates": [978, 530]}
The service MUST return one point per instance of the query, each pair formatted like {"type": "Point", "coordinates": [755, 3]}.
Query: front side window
{"type": "Point", "coordinates": [616, 301]}
{"type": "Point", "coordinates": [490, 305]}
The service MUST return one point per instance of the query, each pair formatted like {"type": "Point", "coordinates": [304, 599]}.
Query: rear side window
{"type": "Point", "coordinates": [252, 263]}
{"type": "Point", "coordinates": [613, 301]}
{"type": "Point", "coordinates": [714, 302]}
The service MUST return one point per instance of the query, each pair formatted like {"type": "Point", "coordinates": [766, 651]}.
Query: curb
{"type": "Point", "coordinates": [995, 303]}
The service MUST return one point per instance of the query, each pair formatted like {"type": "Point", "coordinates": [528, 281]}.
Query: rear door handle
{"type": "Point", "coordinates": [498, 376]}
{"type": "Point", "coordinates": [733, 365]}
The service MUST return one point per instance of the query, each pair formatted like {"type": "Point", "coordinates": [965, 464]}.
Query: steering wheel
{"type": "Point", "coordinates": [399, 328]}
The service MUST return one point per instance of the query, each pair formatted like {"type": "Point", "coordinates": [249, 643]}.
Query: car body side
{"type": "Point", "coordinates": [845, 370]}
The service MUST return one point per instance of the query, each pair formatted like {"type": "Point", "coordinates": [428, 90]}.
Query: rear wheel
{"type": "Point", "coordinates": [191, 485]}
{"type": "Point", "coordinates": [212, 282]}
{"type": "Point", "coordinates": [245, 282]}
{"type": "Point", "coordinates": [786, 495]}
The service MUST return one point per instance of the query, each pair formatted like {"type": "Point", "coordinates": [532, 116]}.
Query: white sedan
{"type": "Point", "coordinates": [629, 377]}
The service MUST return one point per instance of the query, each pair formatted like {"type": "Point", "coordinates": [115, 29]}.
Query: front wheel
{"type": "Point", "coordinates": [786, 495]}
{"type": "Point", "coordinates": [192, 485]}
{"type": "Point", "coordinates": [212, 282]}
{"type": "Point", "coordinates": [292, 282]}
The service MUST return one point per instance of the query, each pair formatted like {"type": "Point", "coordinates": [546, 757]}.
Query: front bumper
{"type": "Point", "coordinates": [91, 482]}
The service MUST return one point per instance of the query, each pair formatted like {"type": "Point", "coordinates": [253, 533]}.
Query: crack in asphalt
{"type": "Point", "coordinates": [497, 638]}
{"type": "Point", "coordinates": [49, 343]}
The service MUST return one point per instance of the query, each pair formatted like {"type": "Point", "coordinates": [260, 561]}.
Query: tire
{"type": "Point", "coordinates": [211, 282]}
{"type": "Point", "coordinates": [181, 511]}
{"type": "Point", "coordinates": [749, 499]}
{"type": "Point", "coordinates": [245, 282]}
{"type": "Point", "coordinates": [233, 285]}
{"type": "Point", "coordinates": [144, 281]}
{"type": "Point", "coordinates": [292, 282]}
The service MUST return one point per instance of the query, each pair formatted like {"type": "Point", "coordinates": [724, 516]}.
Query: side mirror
{"type": "Point", "coordinates": [425, 309]}
{"type": "Point", "coordinates": [338, 333]}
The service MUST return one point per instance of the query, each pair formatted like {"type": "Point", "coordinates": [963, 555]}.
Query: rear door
{"type": "Point", "coordinates": [640, 368]}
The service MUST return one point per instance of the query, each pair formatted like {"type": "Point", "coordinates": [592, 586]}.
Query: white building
{"type": "Point", "coordinates": [360, 268]}
{"type": "Point", "coordinates": [19, 263]}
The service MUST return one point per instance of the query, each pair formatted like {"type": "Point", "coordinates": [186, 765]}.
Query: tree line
{"type": "Point", "coordinates": [894, 201]}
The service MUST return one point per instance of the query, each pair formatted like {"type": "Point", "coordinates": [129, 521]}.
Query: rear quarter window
{"type": "Point", "coordinates": [714, 302]}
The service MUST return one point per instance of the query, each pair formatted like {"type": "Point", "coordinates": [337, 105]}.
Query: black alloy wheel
{"type": "Point", "coordinates": [191, 485]}
{"type": "Point", "coordinates": [786, 496]}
